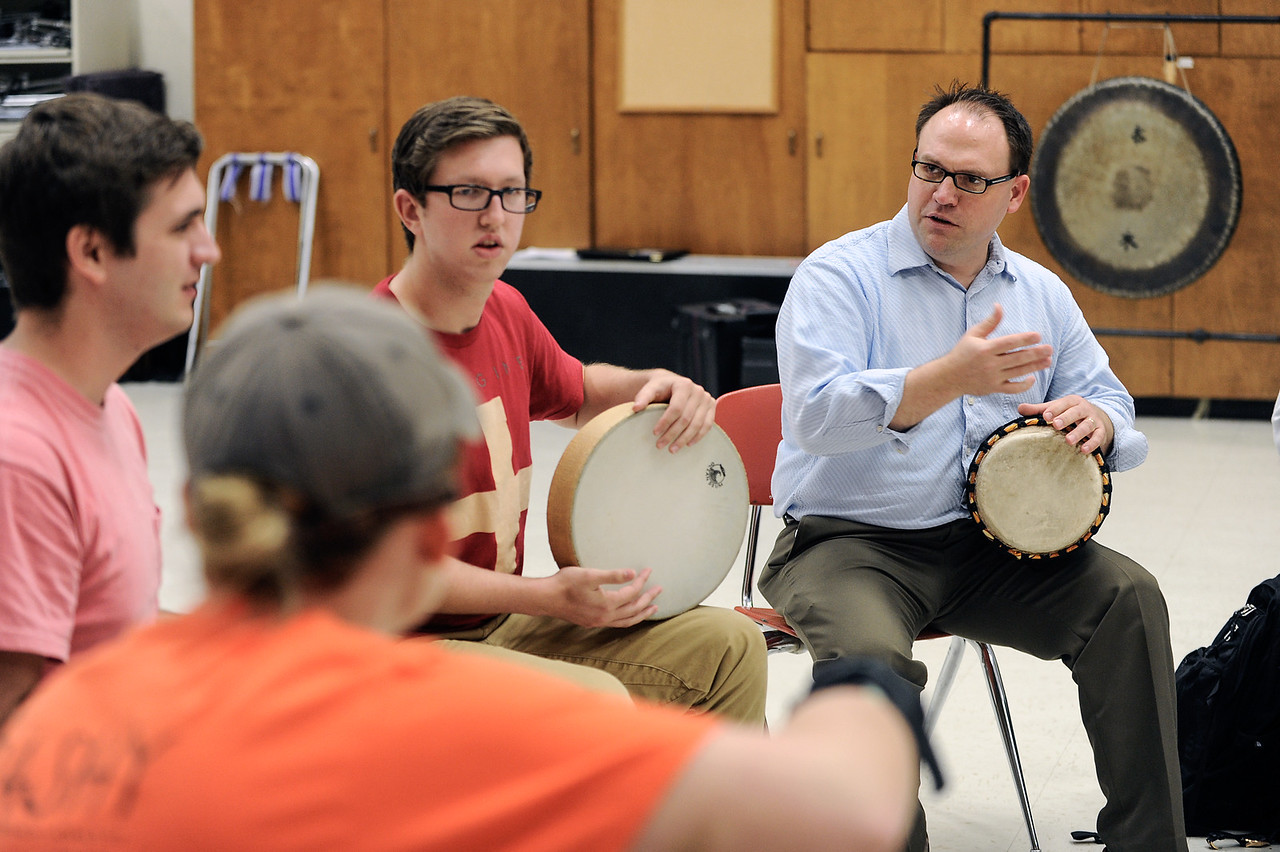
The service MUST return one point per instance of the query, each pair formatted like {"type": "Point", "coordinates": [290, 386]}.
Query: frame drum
{"type": "Point", "coordinates": [1034, 494]}
{"type": "Point", "coordinates": [617, 501]}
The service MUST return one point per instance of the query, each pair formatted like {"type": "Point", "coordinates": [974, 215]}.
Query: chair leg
{"type": "Point", "coordinates": [943, 682]}
{"type": "Point", "coordinates": [1000, 704]}
{"type": "Point", "coordinates": [749, 568]}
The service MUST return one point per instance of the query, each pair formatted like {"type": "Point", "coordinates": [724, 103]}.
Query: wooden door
{"type": "Point", "coordinates": [862, 116]}
{"type": "Point", "coordinates": [530, 56]}
{"type": "Point", "coordinates": [305, 76]}
{"type": "Point", "coordinates": [711, 183]}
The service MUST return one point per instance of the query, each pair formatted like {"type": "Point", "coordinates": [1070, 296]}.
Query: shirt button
{"type": "Point", "coordinates": [970, 400]}
{"type": "Point", "coordinates": [879, 428]}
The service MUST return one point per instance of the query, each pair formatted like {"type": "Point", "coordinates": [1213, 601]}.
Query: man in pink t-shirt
{"type": "Point", "coordinates": [102, 238]}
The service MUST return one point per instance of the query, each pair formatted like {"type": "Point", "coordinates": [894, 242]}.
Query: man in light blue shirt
{"type": "Point", "coordinates": [901, 347]}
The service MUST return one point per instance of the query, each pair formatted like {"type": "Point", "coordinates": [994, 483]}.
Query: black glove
{"type": "Point", "coordinates": [863, 671]}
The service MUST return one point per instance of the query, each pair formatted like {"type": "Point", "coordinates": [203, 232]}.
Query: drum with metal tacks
{"type": "Point", "coordinates": [1035, 495]}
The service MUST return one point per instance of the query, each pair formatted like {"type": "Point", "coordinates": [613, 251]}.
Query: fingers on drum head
{"type": "Point", "coordinates": [1034, 494]}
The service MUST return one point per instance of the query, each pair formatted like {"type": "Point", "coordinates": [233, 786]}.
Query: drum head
{"type": "Point", "coordinates": [1135, 187]}
{"type": "Point", "coordinates": [617, 501]}
{"type": "Point", "coordinates": [1033, 493]}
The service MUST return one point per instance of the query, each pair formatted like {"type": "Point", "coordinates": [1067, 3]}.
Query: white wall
{"type": "Point", "coordinates": [165, 44]}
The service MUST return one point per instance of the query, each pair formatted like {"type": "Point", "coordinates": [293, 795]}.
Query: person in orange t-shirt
{"type": "Point", "coordinates": [322, 440]}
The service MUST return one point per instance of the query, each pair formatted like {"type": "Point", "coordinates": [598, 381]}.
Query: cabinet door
{"type": "Point", "coordinates": [711, 183]}
{"type": "Point", "coordinates": [531, 57]}
{"type": "Point", "coordinates": [862, 117]}
{"type": "Point", "coordinates": [309, 77]}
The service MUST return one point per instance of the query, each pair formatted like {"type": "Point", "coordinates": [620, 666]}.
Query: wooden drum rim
{"type": "Point", "coordinates": [616, 501]}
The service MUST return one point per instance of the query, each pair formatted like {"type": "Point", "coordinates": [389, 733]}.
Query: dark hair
{"type": "Point", "coordinates": [81, 159]}
{"type": "Point", "coordinates": [981, 101]}
{"type": "Point", "coordinates": [439, 126]}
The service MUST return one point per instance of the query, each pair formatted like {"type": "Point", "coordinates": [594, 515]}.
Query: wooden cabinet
{"type": "Point", "coordinates": [723, 184]}
{"type": "Point", "coordinates": [335, 79]}
{"type": "Point", "coordinates": [876, 25]}
{"type": "Point", "coordinates": [530, 56]}
{"type": "Point", "coordinates": [315, 77]}
{"type": "Point", "coordinates": [862, 113]}
{"type": "Point", "coordinates": [309, 76]}
{"type": "Point", "coordinates": [713, 184]}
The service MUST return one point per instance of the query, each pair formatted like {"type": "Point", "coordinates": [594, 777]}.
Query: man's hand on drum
{"type": "Point", "coordinates": [980, 364]}
{"type": "Point", "coordinates": [690, 414]}
{"type": "Point", "coordinates": [1083, 422]}
{"type": "Point", "coordinates": [580, 596]}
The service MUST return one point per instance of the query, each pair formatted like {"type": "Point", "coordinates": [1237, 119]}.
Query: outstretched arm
{"type": "Point", "coordinates": [842, 775]}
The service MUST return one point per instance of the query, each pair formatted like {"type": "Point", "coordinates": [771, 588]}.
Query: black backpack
{"type": "Point", "coordinates": [1229, 724]}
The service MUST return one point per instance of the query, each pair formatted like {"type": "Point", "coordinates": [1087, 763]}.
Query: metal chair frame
{"type": "Point", "coordinates": [309, 177]}
{"type": "Point", "coordinates": [746, 416]}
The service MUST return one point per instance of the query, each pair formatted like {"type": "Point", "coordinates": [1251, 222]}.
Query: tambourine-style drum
{"type": "Point", "coordinates": [1135, 187]}
{"type": "Point", "coordinates": [617, 501]}
{"type": "Point", "coordinates": [1034, 494]}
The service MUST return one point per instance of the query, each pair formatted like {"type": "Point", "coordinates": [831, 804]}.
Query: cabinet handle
{"type": "Point", "coordinates": [373, 140]}
{"type": "Point", "coordinates": [791, 142]}
{"type": "Point", "coordinates": [575, 136]}
{"type": "Point", "coordinates": [817, 146]}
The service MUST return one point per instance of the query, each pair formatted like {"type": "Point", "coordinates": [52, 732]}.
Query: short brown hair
{"type": "Point", "coordinates": [439, 126]}
{"type": "Point", "coordinates": [81, 159]}
{"type": "Point", "coordinates": [983, 100]}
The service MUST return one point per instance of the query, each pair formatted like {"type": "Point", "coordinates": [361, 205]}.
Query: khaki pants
{"type": "Point", "coordinates": [708, 659]}
{"type": "Point", "coordinates": [851, 588]}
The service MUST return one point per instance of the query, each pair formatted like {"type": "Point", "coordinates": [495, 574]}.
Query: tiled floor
{"type": "Point", "coordinates": [1203, 514]}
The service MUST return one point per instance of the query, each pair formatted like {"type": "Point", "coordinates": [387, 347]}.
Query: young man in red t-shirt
{"type": "Point", "coordinates": [461, 172]}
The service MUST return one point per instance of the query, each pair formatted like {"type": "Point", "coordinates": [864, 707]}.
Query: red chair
{"type": "Point", "coordinates": [752, 418]}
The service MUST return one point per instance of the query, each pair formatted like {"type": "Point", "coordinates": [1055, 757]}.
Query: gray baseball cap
{"type": "Point", "coordinates": [337, 395]}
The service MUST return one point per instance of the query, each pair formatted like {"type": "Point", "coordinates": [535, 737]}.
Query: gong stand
{"type": "Point", "coordinates": [1113, 17]}
{"type": "Point", "coordinates": [1199, 335]}
{"type": "Point", "coordinates": [1092, 118]}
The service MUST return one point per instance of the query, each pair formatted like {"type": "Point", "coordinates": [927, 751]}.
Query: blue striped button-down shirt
{"type": "Point", "coordinates": [861, 312]}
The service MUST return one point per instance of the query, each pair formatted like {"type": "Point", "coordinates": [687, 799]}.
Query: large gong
{"type": "Point", "coordinates": [1135, 187]}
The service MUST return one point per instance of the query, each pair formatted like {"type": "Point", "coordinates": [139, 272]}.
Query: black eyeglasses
{"type": "Point", "coordinates": [468, 196]}
{"type": "Point", "coordinates": [973, 184]}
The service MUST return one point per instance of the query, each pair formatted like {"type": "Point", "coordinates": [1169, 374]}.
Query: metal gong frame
{"type": "Point", "coordinates": [1135, 187]}
{"type": "Point", "coordinates": [1119, 17]}
{"type": "Point", "coordinates": [991, 18]}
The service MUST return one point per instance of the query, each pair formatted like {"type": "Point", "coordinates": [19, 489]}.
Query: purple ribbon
{"type": "Point", "coordinates": [292, 179]}
{"type": "Point", "coordinates": [230, 175]}
{"type": "Point", "coordinates": [260, 179]}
